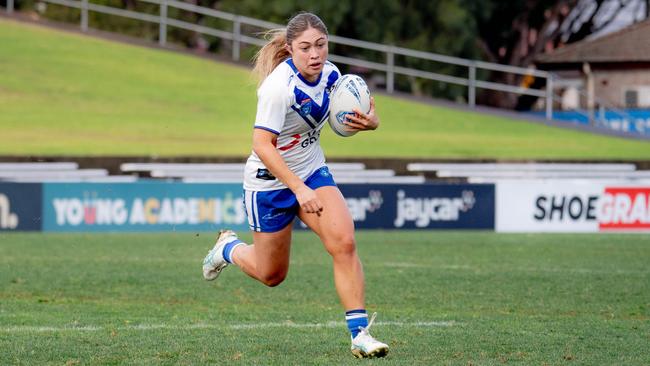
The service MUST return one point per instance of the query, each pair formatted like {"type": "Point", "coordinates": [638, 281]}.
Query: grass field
{"type": "Point", "coordinates": [454, 298]}
{"type": "Point", "coordinates": [68, 94]}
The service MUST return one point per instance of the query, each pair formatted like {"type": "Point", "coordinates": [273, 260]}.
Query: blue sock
{"type": "Point", "coordinates": [227, 250]}
{"type": "Point", "coordinates": [355, 319]}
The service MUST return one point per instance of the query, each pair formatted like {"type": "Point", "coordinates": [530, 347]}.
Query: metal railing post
{"type": "Point", "coordinates": [549, 97]}
{"type": "Point", "coordinates": [162, 30]}
{"type": "Point", "coordinates": [471, 85]}
{"type": "Point", "coordinates": [10, 6]}
{"type": "Point", "coordinates": [390, 70]}
{"type": "Point", "coordinates": [84, 15]}
{"type": "Point", "coordinates": [236, 36]}
{"type": "Point", "coordinates": [601, 115]}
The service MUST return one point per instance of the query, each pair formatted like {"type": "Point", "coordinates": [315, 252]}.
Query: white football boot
{"type": "Point", "coordinates": [214, 262]}
{"type": "Point", "coordinates": [365, 346]}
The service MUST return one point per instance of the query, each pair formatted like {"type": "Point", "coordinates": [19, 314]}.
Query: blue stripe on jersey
{"type": "Point", "coordinates": [331, 79]}
{"type": "Point", "coordinates": [309, 107]}
{"type": "Point", "coordinates": [303, 117]}
{"type": "Point", "coordinates": [295, 69]}
{"type": "Point", "coordinates": [267, 129]}
{"type": "Point", "coordinates": [327, 115]}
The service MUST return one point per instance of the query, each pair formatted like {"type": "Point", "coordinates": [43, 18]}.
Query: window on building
{"type": "Point", "coordinates": [631, 98]}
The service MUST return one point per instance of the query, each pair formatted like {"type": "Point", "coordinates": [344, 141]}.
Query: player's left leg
{"type": "Point", "coordinates": [335, 228]}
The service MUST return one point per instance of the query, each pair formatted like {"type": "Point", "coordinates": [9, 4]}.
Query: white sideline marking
{"type": "Point", "coordinates": [613, 271]}
{"type": "Point", "coordinates": [402, 265]}
{"type": "Point", "coordinates": [148, 327]}
{"type": "Point", "coordinates": [334, 324]}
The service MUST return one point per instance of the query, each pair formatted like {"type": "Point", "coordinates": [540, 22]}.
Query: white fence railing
{"type": "Point", "coordinates": [388, 67]}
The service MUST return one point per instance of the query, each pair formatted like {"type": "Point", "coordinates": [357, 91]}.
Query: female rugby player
{"type": "Point", "coordinates": [286, 175]}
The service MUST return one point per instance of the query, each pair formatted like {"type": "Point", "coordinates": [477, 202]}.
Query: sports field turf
{"type": "Point", "coordinates": [459, 298]}
{"type": "Point", "coordinates": [70, 94]}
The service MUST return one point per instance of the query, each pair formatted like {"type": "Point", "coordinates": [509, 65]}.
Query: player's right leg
{"type": "Point", "coordinates": [218, 257]}
{"type": "Point", "coordinates": [266, 260]}
{"type": "Point", "coordinates": [270, 217]}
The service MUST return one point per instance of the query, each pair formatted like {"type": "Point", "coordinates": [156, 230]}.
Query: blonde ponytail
{"type": "Point", "coordinates": [271, 54]}
{"type": "Point", "coordinates": [275, 51]}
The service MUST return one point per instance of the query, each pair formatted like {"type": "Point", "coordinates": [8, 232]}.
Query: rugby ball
{"type": "Point", "coordinates": [349, 92]}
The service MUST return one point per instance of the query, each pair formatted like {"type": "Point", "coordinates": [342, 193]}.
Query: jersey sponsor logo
{"type": "Point", "coordinates": [8, 219]}
{"type": "Point", "coordinates": [264, 174]}
{"type": "Point", "coordinates": [294, 142]}
{"type": "Point", "coordinates": [310, 138]}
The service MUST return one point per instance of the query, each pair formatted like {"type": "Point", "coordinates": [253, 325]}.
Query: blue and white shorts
{"type": "Point", "coordinates": [271, 211]}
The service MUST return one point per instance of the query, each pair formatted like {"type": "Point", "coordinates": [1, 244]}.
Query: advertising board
{"type": "Point", "coordinates": [164, 206]}
{"type": "Point", "coordinates": [20, 207]}
{"type": "Point", "coordinates": [421, 206]}
{"type": "Point", "coordinates": [143, 206]}
{"type": "Point", "coordinates": [571, 206]}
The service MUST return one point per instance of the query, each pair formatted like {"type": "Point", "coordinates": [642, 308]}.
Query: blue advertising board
{"type": "Point", "coordinates": [20, 207]}
{"type": "Point", "coordinates": [632, 120]}
{"type": "Point", "coordinates": [142, 206]}
{"type": "Point", "coordinates": [164, 206]}
{"type": "Point", "coordinates": [421, 206]}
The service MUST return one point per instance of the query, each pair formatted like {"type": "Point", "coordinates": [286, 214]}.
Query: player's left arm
{"type": "Point", "coordinates": [362, 121]}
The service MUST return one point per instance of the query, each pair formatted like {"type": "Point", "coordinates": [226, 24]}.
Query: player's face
{"type": "Point", "coordinates": [309, 53]}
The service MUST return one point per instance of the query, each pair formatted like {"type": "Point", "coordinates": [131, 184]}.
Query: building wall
{"type": "Point", "coordinates": [610, 86]}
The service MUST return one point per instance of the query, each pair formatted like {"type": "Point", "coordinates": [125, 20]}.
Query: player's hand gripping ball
{"type": "Point", "coordinates": [348, 93]}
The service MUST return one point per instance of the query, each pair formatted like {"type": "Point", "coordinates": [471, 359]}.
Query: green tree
{"type": "Point", "coordinates": [515, 32]}
{"type": "Point", "coordinates": [442, 26]}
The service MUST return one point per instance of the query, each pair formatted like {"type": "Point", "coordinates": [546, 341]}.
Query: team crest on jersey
{"type": "Point", "coordinates": [324, 172]}
{"type": "Point", "coordinates": [305, 107]}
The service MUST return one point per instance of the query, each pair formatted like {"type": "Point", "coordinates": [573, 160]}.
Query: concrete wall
{"type": "Point", "coordinates": [610, 85]}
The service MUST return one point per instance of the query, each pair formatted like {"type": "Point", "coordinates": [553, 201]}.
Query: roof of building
{"type": "Point", "coordinates": [630, 44]}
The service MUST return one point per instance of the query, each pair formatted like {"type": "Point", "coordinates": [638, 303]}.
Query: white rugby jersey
{"type": "Point", "coordinates": [296, 110]}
